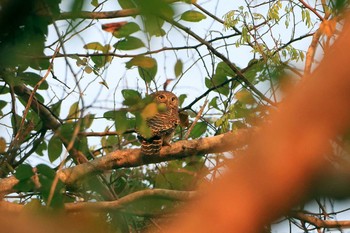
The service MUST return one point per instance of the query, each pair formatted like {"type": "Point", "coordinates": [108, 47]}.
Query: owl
{"type": "Point", "coordinates": [162, 124]}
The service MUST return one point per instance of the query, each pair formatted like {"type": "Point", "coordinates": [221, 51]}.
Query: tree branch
{"type": "Point", "coordinates": [131, 12]}
{"type": "Point", "coordinates": [122, 202]}
{"type": "Point", "coordinates": [320, 223]}
{"type": "Point", "coordinates": [99, 15]}
{"type": "Point", "coordinates": [310, 54]}
{"type": "Point", "coordinates": [49, 119]}
{"type": "Point", "coordinates": [132, 157]}
{"type": "Point", "coordinates": [118, 204]}
{"type": "Point", "coordinates": [311, 9]}
{"type": "Point", "coordinates": [240, 75]}
{"type": "Point", "coordinates": [285, 160]}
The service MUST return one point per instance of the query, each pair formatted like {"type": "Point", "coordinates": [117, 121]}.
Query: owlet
{"type": "Point", "coordinates": [162, 125]}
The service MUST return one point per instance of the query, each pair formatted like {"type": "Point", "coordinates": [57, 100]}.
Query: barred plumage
{"type": "Point", "coordinates": [162, 125]}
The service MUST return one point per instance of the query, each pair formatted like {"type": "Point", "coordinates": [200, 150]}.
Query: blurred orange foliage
{"type": "Point", "coordinates": [284, 159]}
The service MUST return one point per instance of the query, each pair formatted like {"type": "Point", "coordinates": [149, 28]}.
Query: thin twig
{"type": "Point", "coordinates": [240, 75]}
{"type": "Point", "coordinates": [196, 120]}
{"type": "Point", "coordinates": [311, 9]}
{"type": "Point", "coordinates": [310, 54]}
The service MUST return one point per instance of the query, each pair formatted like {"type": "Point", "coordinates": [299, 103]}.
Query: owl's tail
{"type": "Point", "coordinates": [151, 146]}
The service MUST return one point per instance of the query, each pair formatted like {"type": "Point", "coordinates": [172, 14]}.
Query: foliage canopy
{"type": "Point", "coordinates": [75, 76]}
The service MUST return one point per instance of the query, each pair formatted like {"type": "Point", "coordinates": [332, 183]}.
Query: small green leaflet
{"type": "Point", "coordinates": [178, 68]}
{"type": "Point", "coordinates": [192, 16]}
{"type": "Point", "coordinates": [141, 61]}
{"type": "Point", "coordinates": [129, 43]}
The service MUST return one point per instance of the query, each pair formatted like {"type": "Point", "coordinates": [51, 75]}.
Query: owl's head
{"type": "Point", "coordinates": [166, 97]}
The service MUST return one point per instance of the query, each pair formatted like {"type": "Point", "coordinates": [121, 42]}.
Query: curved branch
{"type": "Point", "coordinates": [320, 223]}
{"type": "Point", "coordinates": [132, 157]}
{"type": "Point", "coordinates": [118, 204]}
{"type": "Point", "coordinates": [122, 202]}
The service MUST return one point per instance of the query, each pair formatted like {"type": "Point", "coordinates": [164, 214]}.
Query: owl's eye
{"type": "Point", "coordinates": [161, 97]}
{"type": "Point", "coordinates": [173, 99]}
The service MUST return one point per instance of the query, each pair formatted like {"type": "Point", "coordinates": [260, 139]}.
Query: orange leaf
{"type": "Point", "coordinates": [112, 27]}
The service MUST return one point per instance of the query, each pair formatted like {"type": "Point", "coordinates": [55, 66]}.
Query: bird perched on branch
{"type": "Point", "coordinates": [162, 124]}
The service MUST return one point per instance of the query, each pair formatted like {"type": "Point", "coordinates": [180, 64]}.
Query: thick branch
{"type": "Point", "coordinates": [120, 203]}
{"type": "Point", "coordinates": [178, 150]}
{"type": "Point", "coordinates": [49, 120]}
{"type": "Point", "coordinates": [132, 157]}
{"type": "Point", "coordinates": [99, 15]}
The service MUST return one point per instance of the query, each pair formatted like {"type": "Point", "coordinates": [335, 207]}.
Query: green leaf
{"type": "Point", "coordinates": [120, 184]}
{"type": "Point", "coordinates": [100, 61]}
{"type": "Point", "coordinates": [46, 180]}
{"type": "Point", "coordinates": [223, 69]}
{"type": "Point", "coordinates": [76, 7]}
{"type": "Point", "coordinates": [33, 117]}
{"type": "Point", "coordinates": [112, 141]}
{"type": "Point", "coordinates": [95, 46]}
{"type": "Point", "coordinates": [56, 108]}
{"type": "Point", "coordinates": [153, 26]}
{"type": "Point", "coordinates": [32, 79]}
{"type": "Point", "coordinates": [141, 61]}
{"type": "Point", "coordinates": [15, 121]}
{"type": "Point", "coordinates": [87, 120]}
{"type": "Point", "coordinates": [39, 97]}
{"type": "Point", "coordinates": [193, 16]}
{"type": "Point", "coordinates": [94, 3]}
{"type": "Point", "coordinates": [54, 148]}
{"type": "Point", "coordinates": [24, 171]}
{"type": "Point", "coordinates": [182, 98]}
{"type": "Point", "coordinates": [129, 43]}
{"type": "Point", "coordinates": [25, 185]}
{"type": "Point", "coordinates": [142, 127]}
{"type": "Point", "coordinates": [131, 97]}
{"type": "Point", "coordinates": [120, 120]}
{"type": "Point", "coordinates": [74, 111]}
{"type": "Point", "coordinates": [252, 72]}
{"type": "Point", "coordinates": [109, 115]}
{"type": "Point", "coordinates": [174, 180]}
{"type": "Point", "coordinates": [216, 80]}
{"type": "Point", "coordinates": [4, 90]}
{"type": "Point", "coordinates": [126, 4]}
{"type": "Point", "coordinates": [178, 68]}
{"type": "Point", "coordinates": [151, 110]}
{"type": "Point", "coordinates": [148, 74]}
{"type": "Point", "coordinates": [245, 97]}
{"type": "Point", "coordinates": [46, 171]}
{"type": "Point", "coordinates": [66, 130]}
{"type": "Point", "coordinates": [42, 146]}
{"type": "Point", "coordinates": [109, 143]}
{"type": "Point", "coordinates": [213, 102]}
{"type": "Point", "coordinates": [199, 129]}
{"type": "Point", "coordinates": [2, 104]}
{"type": "Point", "coordinates": [126, 30]}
